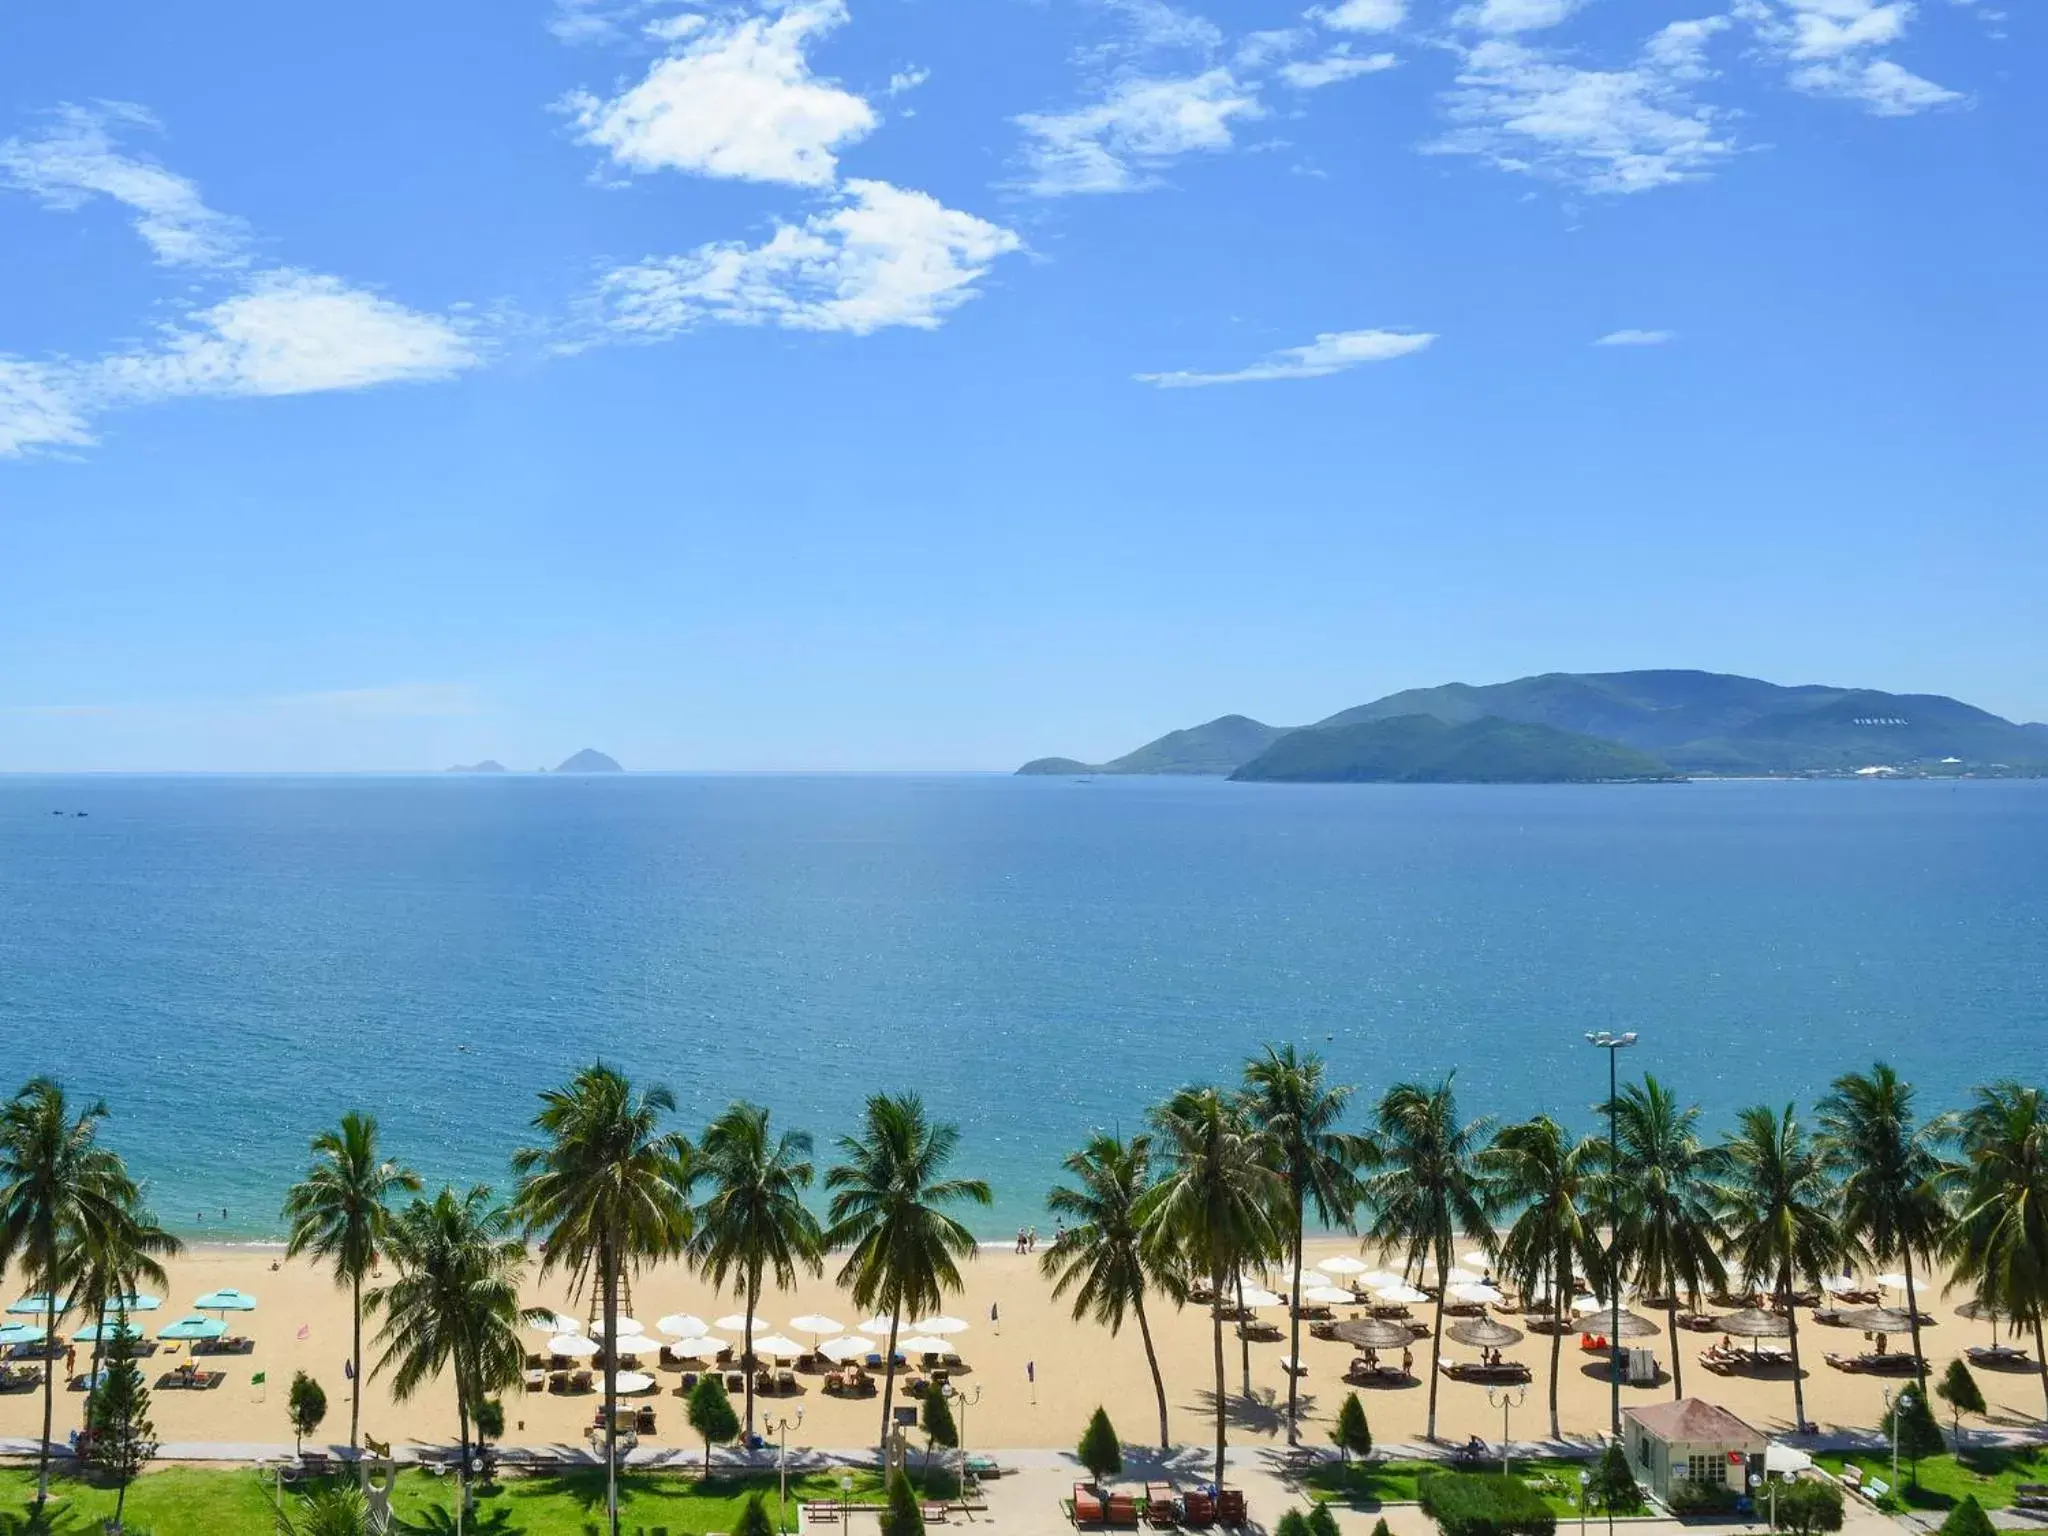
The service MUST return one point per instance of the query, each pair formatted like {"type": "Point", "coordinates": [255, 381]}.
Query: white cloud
{"type": "Point", "coordinates": [1119, 144]}
{"type": "Point", "coordinates": [1885, 88]}
{"type": "Point", "coordinates": [1833, 48]}
{"type": "Point", "coordinates": [1827, 29]}
{"type": "Point", "coordinates": [736, 98]}
{"type": "Point", "coordinates": [37, 409]}
{"type": "Point", "coordinates": [75, 160]}
{"type": "Point", "coordinates": [1362, 15]}
{"type": "Point", "coordinates": [1635, 338]}
{"type": "Point", "coordinates": [1331, 352]}
{"type": "Point", "coordinates": [1311, 74]}
{"type": "Point", "coordinates": [1156, 25]}
{"type": "Point", "coordinates": [1617, 130]}
{"type": "Point", "coordinates": [1517, 15]}
{"type": "Point", "coordinates": [908, 79]}
{"type": "Point", "coordinates": [883, 257]}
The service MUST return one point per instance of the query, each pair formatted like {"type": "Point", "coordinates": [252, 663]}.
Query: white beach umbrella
{"type": "Point", "coordinates": [1481, 1295]}
{"type": "Point", "coordinates": [1342, 1264]}
{"type": "Point", "coordinates": [816, 1323]}
{"type": "Point", "coordinates": [1400, 1295]}
{"type": "Point", "coordinates": [702, 1347]}
{"type": "Point", "coordinates": [623, 1325]}
{"type": "Point", "coordinates": [634, 1344]}
{"type": "Point", "coordinates": [879, 1325]}
{"type": "Point", "coordinates": [1588, 1306]}
{"type": "Point", "coordinates": [736, 1322]}
{"type": "Point", "coordinates": [850, 1347]}
{"type": "Point", "coordinates": [682, 1325]}
{"type": "Point", "coordinates": [630, 1382]}
{"type": "Point", "coordinates": [558, 1322]}
{"type": "Point", "coordinates": [1834, 1285]}
{"type": "Point", "coordinates": [1327, 1295]}
{"type": "Point", "coordinates": [1379, 1279]}
{"type": "Point", "coordinates": [573, 1344]}
{"type": "Point", "coordinates": [939, 1325]}
{"type": "Point", "coordinates": [1258, 1296]}
{"type": "Point", "coordinates": [1458, 1276]}
{"type": "Point", "coordinates": [1892, 1282]}
{"type": "Point", "coordinates": [775, 1344]}
{"type": "Point", "coordinates": [1476, 1259]}
{"type": "Point", "coordinates": [923, 1344]}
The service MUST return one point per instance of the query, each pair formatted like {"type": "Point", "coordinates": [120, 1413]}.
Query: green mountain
{"type": "Point", "coordinates": [1420, 749]}
{"type": "Point", "coordinates": [1700, 722]}
{"type": "Point", "coordinates": [1215, 748]}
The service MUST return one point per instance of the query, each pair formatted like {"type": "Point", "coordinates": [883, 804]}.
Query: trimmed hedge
{"type": "Point", "coordinates": [1484, 1504]}
{"type": "Point", "coordinates": [1690, 1498]}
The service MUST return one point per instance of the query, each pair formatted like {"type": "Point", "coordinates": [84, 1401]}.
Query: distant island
{"type": "Point", "coordinates": [1600, 726]}
{"type": "Point", "coordinates": [488, 765]}
{"type": "Point", "coordinates": [590, 760]}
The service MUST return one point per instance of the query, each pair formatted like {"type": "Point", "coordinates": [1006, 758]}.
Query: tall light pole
{"type": "Point", "coordinates": [781, 1428]}
{"type": "Point", "coordinates": [965, 1403]}
{"type": "Point", "coordinates": [1505, 1399]}
{"type": "Point", "coordinates": [1611, 1044]}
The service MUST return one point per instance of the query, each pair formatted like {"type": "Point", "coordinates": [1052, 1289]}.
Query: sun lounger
{"type": "Point", "coordinates": [1230, 1508]}
{"type": "Point", "coordinates": [1996, 1355]}
{"type": "Point", "coordinates": [1197, 1509]}
{"type": "Point", "coordinates": [1161, 1507]}
{"type": "Point", "coordinates": [735, 1381]}
{"type": "Point", "coordinates": [535, 1380]}
{"type": "Point", "coordinates": [1088, 1506]}
{"type": "Point", "coordinates": [785, 1381]}
{"type": "Point", "coordinates": [579, 1381]}
{"type": "Point", "coordinates": [1122, 1510]}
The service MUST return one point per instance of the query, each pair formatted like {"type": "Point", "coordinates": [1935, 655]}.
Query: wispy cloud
{"type": "Point", "coordinates": [882, 256]}
{"type": "Point", "coordinates": [1339, 64]}
{"type": "Point", "coordinates": [1836, 48]}
{"type": "Point", "coordinates": [1604, 130]}
{"type": "Point", "coordinates": [1362, 15]}
{"type": "Point", "coordinates": [735, 98]}
{"type": "Point", "coordinates": [1634, 338]}
{"type": "Point", "coordinates": [1331, 352]}
{"type": "Point", "coordinates": [1122, 142]}
{"type": "Point", "coordinates": [1518, 15]}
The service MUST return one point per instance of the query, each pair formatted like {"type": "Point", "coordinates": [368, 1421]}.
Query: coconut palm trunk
{"type": "Point", "coordinates": [1792, 1342]}
{"type": "Point", "coordinates": [49, 1398]}
{"type": "Point", "coordinates": [1294, 1333]}
{"type": "Point", "coordinates": [889, 1381]}
{"type": "Point", "coordinates": [1436, 1348]}
{"type": "Point", "coordinates": [1556, 1350]}
{"type": "Point", "coordinates": [747, 1348]}
{"type": "Point", "coordinates": [355, 1358]}
{"type": "Point", "coordinates": [1244, 1338]}
{"type": "Point", "coordinates": [609, 1279]}
{"type": "Point", "coordinates": [1152, 1362]}
{"type": "Point", "coordinates": [1677, 1354]}
{"type": "Point", "coordinates": [1913, 1312]}
{"type": "Point", "coordinates": [1222, 1391]}
{"type": "Point", "coordinates": [2041, 1354]}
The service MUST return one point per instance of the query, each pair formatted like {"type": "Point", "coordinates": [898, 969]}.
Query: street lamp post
{"type": "Point", "coordinates": [965, 1403]}
{"type": "Point", "coordinates": [781, 1428]}
{"type": "Point", "coordinates": [1505, 1399]}
{"type": "Point", "coordinates": [1611, 1044]}
{"type": "Point", "coordinates": [1893, 1411]}
{"type": "Point", "coordinates": [1585, 1497]}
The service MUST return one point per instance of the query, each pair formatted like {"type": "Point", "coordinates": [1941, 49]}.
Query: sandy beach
{"type": "Point", "coordinates": [302, 1324]}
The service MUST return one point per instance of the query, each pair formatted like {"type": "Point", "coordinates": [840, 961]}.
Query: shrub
{"type": "Point", "coordinates": [711, 1414]}
{"type": "Point", "coordinates": [1352, 1434]}
{"type": "Point", "coordinates": [1967, 1519]}
{"type": "Point", "coordinates": [1807, 1505]}
{"type": "Point", "coordinates": [1614, 1485]}
{"type": "Point", "coordinates": [754, 1520]}
{"type": "Point", "coordinates": [902, 1516]}
{"type": "Point", "coordinates": [1484, 1504]}
{"type": "Point", "coordinates": [1911, 1418]}
{"type": "Point", "coordinates": [1959, 1389]}
{"type": "Point", "coordinates": [1322, 1520]}
{"type": "Point", "coordinates": [1293, 1523]}
{"type": "Point", "coordinates": [1381, 1528]}
{"type": "Point", "coordinates": [1100, 1450]}
{"type": "Point", "coordinates": [306, 1404]}
{"type": "Point", "coordinates": [939, 1428]}
{"type": "Point", "coordinates": [1690, 1498]}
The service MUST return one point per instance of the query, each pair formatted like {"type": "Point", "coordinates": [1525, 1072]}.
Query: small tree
{"type": "Point", "coordinates": [1967, 1519]}
{"type": "Point", "coordinates": [336, 1510]}
{"type": "Point", "coordinates": [939, 1428]}
{"type": "Point", "coordinates": [902, 1516]}
{"type": "Point", "coordinates": [306, 1404]}
{"type": "Point", "coordinates": [711, 1414]}
{"type": "Point", "coordinates": [1959, 1389]}
{"type": "Point", "coordinates": [121, 1439]}
{"type": "Point", "coordinates": [1322, 1521]}
{"type": "Point", "coordinates": [1381, 1528]}
{"type": "Point", "coordinates": [1614, 1485]}
{"type": "Point", "coordinates": [1352, 1434]}
{"type": "Point", "coordinates": [754, 1520]}
{"type": "Point", "coordinates": [1911, 1419]}
{"type": "Point", "coordinates": [1293, 1523]}
{"type": "Point", "coordinates": [1807, 1506]}
{"type": "Point", "coordinates": [1100, 1450]}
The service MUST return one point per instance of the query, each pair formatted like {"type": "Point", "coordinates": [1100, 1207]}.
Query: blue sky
{"type": "Point", "coordinates": [938, 383]}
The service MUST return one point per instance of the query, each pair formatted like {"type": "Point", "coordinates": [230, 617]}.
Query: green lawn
{"type": "Point", "coordinates": [1366, 1484]}
{"type": "Point", "coordinates": [1991, 1473]}
{"type": "Point", "coordinates": [189, 1501]}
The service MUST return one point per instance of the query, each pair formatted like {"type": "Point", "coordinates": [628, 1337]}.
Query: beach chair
{"type": "Point", "coordinates": [643, 1421]}
{"type": "Point", "coordinates": [579, 1381]}
{"type": "Point", "coordinates": [1230, 1509]}
{"type": "Point", "coordinates": [1122, 1509]}
{"type": "Point", "coordinates": [785, 1381]}
{"type": "Point", "coordinates": [1197, 1509]}
{"type": "Point", "coordinates": [735, 1382]}
{"type": "Point", "coordinates": [1088, 1508]}
{"type": "Point", "coordinates": [1161, 1507]}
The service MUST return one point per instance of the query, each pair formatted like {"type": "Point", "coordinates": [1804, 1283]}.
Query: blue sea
{"type": "Point", "coordinates": [233, 961]}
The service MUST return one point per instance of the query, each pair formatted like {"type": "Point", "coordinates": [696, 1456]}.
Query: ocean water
{"type": "Point", "coordinates": [232, 962]}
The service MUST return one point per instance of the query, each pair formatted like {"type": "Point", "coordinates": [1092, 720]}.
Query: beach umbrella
{"type": "Point", "coordinates": [1588, 1306]}
{"type": "Point", "coordinates": [1380, 1279]}
{"type": "Point", "coordinates": [37, 1305]}
{"type": "Point", "coordinates": [939, 1325]}
{"type": "Point", "coordinates": [1754, 1323]}
{"type": "Point", "coordinates": [1834, 1285]}
{"type": "Point", "coordinates": [134, 1301]}
{"type": "Point", "coordinates": [1977, 1311]}
{"type": "Point", "coordinates": [1258, 1296]}
{"type": "Point", "coordinates": [778, 1347]}
{"type": "Point", "coordinates": [1879, 1320]}
{"type": "Point", "coordinates": [1327, 1295]}
{"type": "Point", "coordinates": [736, 1322]}
{"type": "Point", "coordinates": [702, 1347]}
{"type": "Point", "coordinates": [816, 1323]}
{"type": "Point", "coordinates": [1484, 1333]}
{"type": "Point", "coordinates": [1457, 1275]}
{"type": "Point", "coordinates": [1892, 1282]}
{"type": "Point", "coordinates": [573, 1344]}
{"type": "Point", "coordinates": [12, 1334]}
{"type": "Point", "coordinates": [879, 1324]}
{"type": "Point", "coordinates": [633, 1344]}
{"type": "Point", "coordinates": [1374, 1333]}
{"type": "Point", "coordinates": [923, 1344]}
{"type": "Point", "coordinates": [557, 1322]}
{"type": "Point", "coordinates": [1476, 1260]}
{"type": "Point", "coordinates": [1400, 1295]}
{"type": "Point", "coordinates": [1342, 1264]}
{"type": "Point", "coordinates": [626, 1383]}
{"type": "Point", "coordinates": [1633, 1325]}
{"type": "Point", "coordinates": [1481, 1295]}
{"type": "Point", "coordinates": [227, 1299]}
{"type": "Point", "coordinates": [851, 1346]}
{"type": "Point", "coordinates": [622, 1325]}
{"type": "Point", "coordinates": [193, 1327]}
{"type": "Point", "coordinates": [682, 1325]}
{"type": "Point", "coordinates": [106, 1333]}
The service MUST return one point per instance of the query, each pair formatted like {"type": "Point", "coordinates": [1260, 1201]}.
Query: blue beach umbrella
{"type": "Point", "coordinates": [106, 1333]}
{"type": "Point", "coordinates": [227, 1300]}
{"type": "Point", "coordinates": [194, 1327]}
{"type": "Point", "coordinates": [12, 1334]}
{"type": "Point", "coordinates": [37, 1305]}
{"type": "Point", "coordinates": [132, 1301]}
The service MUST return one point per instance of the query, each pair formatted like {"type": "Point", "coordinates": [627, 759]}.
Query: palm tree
{"type": "Point", "coordinates": [1428, 1192]}
{"type": "Point", "coordinates": [1297, 1115]}
{"type": "Point", "coordinates": [340, 1213]}
{"type": "Point", "coordinates": [888, 1207]}
{"type": "Point", "coordinates": [608, 1192]}
{"type": "Point", "coordinates": [2000, 1239]}
{"type": "Point", "coordinates": [1535, 1167]}
{"type": "Point", "coordinates": [1212, 1206]}
{"type": "Point", "coordinates": [1777, 1209]}
{"type": "Point", "coordinates": [1102, 1255]}
{"type": "Point", "coordinates": [454, 1305]}
{"type": "Point", "coordinates": [60, 1190]}
{"type": "Point", "coordinates": [1892, 1176]}
{"type": "Point", "coordinates": [1669, 1238]}
{"type": "Point", "coordinates": [102, 1267]}
{"type": "Point", "coordinates": [755, 1221]}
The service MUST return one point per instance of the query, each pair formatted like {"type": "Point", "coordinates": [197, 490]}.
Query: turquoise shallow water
{"type": "Point", "coordinates": [233, 961]}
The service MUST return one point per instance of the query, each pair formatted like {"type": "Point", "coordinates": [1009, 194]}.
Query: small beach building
{"type": "Point", "coordinates": [1691, 1440]}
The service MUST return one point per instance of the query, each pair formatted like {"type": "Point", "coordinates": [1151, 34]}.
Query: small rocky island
{"type": "Point", "coordinates": [488, 765]}
{"type": "Point", "coordinates": [589, 760]}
